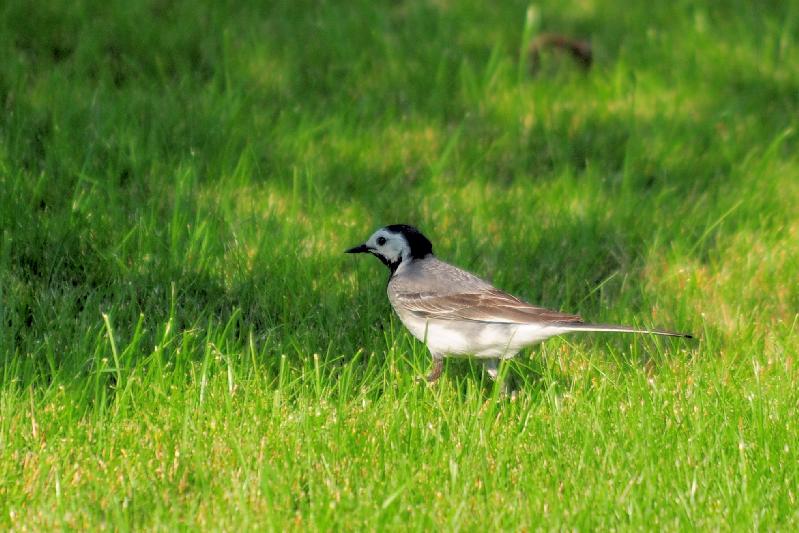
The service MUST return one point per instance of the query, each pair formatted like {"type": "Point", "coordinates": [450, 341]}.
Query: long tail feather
{"type": "Point", "coordinates": [623, 329]}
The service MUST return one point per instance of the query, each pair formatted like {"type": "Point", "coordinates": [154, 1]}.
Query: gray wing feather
{"type": "Point", "coordinates": [490, 305]}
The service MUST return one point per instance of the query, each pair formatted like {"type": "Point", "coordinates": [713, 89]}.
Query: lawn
{"type": "Point", "coordinates": [183, 344]}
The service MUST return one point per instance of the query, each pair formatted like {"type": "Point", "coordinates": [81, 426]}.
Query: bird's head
{"type": "Point", "coordinates": [395, 245]}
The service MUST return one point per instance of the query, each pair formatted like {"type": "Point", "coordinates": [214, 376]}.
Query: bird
{"type": "Point", "coordinates": [457, 314]}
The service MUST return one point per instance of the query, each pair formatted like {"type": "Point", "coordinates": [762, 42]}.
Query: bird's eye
{"type": "Point", "coordinates": [381, 241]}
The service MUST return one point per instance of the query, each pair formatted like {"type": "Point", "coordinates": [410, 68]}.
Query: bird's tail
{"type": "Point", "coordinates": [568, 327]}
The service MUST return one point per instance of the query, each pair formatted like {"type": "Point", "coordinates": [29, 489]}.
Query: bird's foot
{"type": "Point", "coordinates": [506, 388]}
{"type": "Point", "coordinates": [507, 391]}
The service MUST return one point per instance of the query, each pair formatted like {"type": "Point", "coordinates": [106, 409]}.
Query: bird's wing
{"type": "Point", "coordinates": [490, 305]}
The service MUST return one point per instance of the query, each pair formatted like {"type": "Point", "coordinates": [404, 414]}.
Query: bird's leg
{"type": "Point", "coordinates": [435, 373]}
{"type": "Point", "coordinates": [492, 368]}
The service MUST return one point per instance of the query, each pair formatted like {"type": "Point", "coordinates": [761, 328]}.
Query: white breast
{"type": "Point", "coordinates": [464, 338]}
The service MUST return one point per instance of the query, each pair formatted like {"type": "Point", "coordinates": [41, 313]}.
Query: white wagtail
{"type": "Point", "coordinates": [457, 314]}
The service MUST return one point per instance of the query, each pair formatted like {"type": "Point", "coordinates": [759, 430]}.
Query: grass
{"type": "Point", "coordinates": [183, 344]}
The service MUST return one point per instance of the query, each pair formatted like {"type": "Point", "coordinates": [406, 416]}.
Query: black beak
{"type": "Point", "coordinates": [360, 249]}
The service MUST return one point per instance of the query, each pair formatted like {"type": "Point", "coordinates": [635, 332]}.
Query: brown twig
{"type": "Point", "coordinates": [579, 50]}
